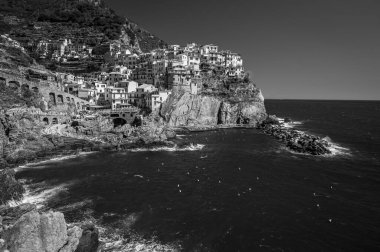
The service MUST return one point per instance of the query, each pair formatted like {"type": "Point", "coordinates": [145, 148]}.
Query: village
{"type": "Point", "coordinates": [145, 80]}
{"type": "Point", "coordinates": [131, 82]}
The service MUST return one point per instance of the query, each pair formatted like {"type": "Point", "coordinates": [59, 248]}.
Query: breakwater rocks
{"type": "Point", "coordinates": [24, 229]}
{"type": "Point", "coordinates": [295, 140]}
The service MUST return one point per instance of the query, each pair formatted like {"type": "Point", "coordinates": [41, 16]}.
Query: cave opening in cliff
{"type": "Point", "coordinates": [119, 122]}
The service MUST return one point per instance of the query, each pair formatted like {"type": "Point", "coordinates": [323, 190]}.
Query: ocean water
{"type": "Point", "coordinates": [233, 189]}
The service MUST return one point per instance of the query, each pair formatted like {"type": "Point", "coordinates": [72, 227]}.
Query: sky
{"type": "Point", "coordinates": [295, 49]}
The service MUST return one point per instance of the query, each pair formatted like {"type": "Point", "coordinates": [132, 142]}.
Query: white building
{"type": "Point", "coordinates": [129, 86]}
{"type": "Point", "coordinates": [156, 98]}
{"type": "Point", "coordinates": [206, 49]}
{"type": "Point", "coordinates": [117, 97]}
{"type": "Point", "coordinates": [100, 90]}
{"type": "Point", "coordinates": [138, 98]}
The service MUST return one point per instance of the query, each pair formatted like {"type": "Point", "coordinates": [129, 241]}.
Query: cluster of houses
{"type": "Point", "coordinates": [145, 80]}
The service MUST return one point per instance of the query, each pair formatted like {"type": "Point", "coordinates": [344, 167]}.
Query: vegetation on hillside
{"type": "Point", "coordinates": [10, 98]}
{"type": "Point", "coordinates": [77, 12]}
{"type": "Point", "coordinates": [10, 188]}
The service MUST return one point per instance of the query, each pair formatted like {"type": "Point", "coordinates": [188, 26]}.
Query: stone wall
{"type": "Point", "coordinates": [51, 91]}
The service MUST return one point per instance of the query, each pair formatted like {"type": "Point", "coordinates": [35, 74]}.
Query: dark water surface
{"type": "Point", "coordinates": [242, 192]}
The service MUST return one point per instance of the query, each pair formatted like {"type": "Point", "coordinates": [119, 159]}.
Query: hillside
{"type": "Point", "coordinates": [86, 22]}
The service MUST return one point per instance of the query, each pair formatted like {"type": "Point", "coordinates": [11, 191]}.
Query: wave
{"type": "Point", "coordinates": [39, 164]}
{"type": "Point", "coordinates": [288, 125]}
{"type": "Point", "coordinates": [337, 150]}
{"type": "Point", "coordinates": [175, 148]}
{"type": "Point", "coordinates": [115, 242]}
{"type": "Point", "coordinates": [40, 196]}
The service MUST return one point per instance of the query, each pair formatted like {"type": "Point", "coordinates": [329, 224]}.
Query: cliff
{"type": "Point", "coordinates": [242, 105]}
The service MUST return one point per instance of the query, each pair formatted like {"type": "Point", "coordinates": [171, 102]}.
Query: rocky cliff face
{"type": "Point", "coordinates": [35, 232]}
{"type": "Point", "coordinates": [210, 110]}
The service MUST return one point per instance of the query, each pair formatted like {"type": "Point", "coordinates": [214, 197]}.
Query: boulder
{"type": "Point", "coordinates": [89, 241]}
{"type": "Point", "coordinates": [73, 237]}
{"type": "Point", "coordinates": [35, 232]}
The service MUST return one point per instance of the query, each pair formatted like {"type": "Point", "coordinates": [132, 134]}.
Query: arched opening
{"type": "Point", "coordinates": [68, 99]}
{"type": "Point", "coordinates": [3, 81]}
{"type": "Point", "coordinates": [52, 98]}
{"type": "Point", "coordinates": [46, 120]}
{"type": "Point", "coordinates": [14, 84]}
{"type": "Point", "coordinates": [35, 89]}
{"type": "Point", "coordinates": [119, 122]}
{"type": "Point", "coordinates": [54, 121]}
{"type": "Point", "coordinates": [60, 99]}
{"type": "Point", "coordinates": [78, 105]}
{"type": "Point", "coordinates": [72, 100]}
{"type": "Point", "coordinates": [24, 87]}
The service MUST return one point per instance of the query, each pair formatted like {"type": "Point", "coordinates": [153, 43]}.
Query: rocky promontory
{"type": "Point", "coordinates": [237, 106]}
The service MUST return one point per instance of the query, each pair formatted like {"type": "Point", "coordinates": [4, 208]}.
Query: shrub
{"type": "Point", "coordinates": [10, 188]}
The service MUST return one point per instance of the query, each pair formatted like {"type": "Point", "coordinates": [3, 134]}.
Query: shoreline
{"type": "Point", "coordinates": [135, 146]}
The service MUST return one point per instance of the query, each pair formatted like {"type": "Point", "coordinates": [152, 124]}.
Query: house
{"type": "Point", "coordinates": [206, 49]}
{"type": "Point", "coordinates": [183, 58]}
{"type": "Point", "coordinates": [100, 90]}
{"type": "Point", "coordinates": [156, 98]}
{"type": "Point", "coordinates": [182, 82]}
{"type": "Point", "coordinates": [130, 61]}
{"type": "Point", "coordinates": [87, 94]}
{"type": "Point", "coordinates": [115, 77]}
{"type": "Point", "coordinates": [103, 77]}
{"type": "Point", "coordinates": [129, 86]}
{"type": "Point", "coordinates": [138, 98]}
{"type": "Point", "coordinates": [117, 97]}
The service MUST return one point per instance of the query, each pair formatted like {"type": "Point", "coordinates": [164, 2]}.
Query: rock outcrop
{"type": "Point", "coordinates": [35, 232]}
{"type": "Point", "coordinates": [295, 140]}
{"type": "Point", "coordinates": [210, 110]}
{"type": "Point", "coordinates": [89, 240]}
{"type": "Point", "coordinates": [47, 232]}
{"type": "Point", "coordinates": [241, 113]}
{"type": "Point", "coordinates": [191, 110]}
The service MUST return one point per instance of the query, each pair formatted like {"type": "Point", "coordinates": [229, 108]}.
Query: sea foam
{"type": "Point", "coordinates": [191, 147]}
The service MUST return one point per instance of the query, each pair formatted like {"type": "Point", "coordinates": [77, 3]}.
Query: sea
{"type": "Point", "coordinates": [231, 189]}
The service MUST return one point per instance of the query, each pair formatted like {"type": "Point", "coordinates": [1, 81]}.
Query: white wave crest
{"type": "Point", "coordinates": [288, 125]}
{"type": "Point", "coordinates": [191, 147]}
{"type": "Point", "coordinates": [40, 164]}
{"type": "Point", "coordinates": [337, 150]}
{"type": "Point", "coordinates": [39, 196]}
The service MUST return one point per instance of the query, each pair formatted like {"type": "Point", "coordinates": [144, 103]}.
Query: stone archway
{"type": "Point", "coordinates": [46, 120]}
{"type": "Point", "coordinates": [24, 87]}
{"type": "Point", "coordinates": [54, 121]}
{"type": "Point", "coordinates": [3, 81]}
{"type": "Point", "coordinates": [14, 84]}
{"type": "Point", "coordinates": [60, 99]}
{"type": "Point", "coordinates": [52, 98]}
{"type": "Point", "coordinates": [68, 99]}
{"type": "Point", "coordinates": [35, 89]}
